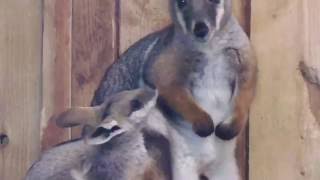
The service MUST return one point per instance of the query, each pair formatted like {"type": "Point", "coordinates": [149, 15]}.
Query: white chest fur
{"type": "Point", "coordinates": [193, 155]}
{"type": "Point", "coordinates": [210, 156]}
{"type": "Point", "coordinates": [213, 91]}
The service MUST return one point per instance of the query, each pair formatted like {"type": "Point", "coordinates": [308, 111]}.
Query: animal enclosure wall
{"type": "Point", "coordinates": [53, 54]}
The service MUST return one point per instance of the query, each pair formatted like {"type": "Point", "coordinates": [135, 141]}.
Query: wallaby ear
{"type": "Point", "coordinates": [79, 115]}
{"type": "Point", "coordinates": [104, 133]}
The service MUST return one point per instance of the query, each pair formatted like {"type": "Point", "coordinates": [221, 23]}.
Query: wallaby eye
{"type": "Point", "coordinates": [101, 131]}
{"type": "Point", "coordinates": [215, 1]}
{"type": "Point", "coordinates": [182, 3]}
{"type": "Point", "coordinates": [115, 128]}
{"type": "Point", "coordinates": [135, 105]}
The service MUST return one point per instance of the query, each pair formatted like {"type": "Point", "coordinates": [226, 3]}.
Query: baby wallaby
{"type": "Point", "coordinates": [116, 148]}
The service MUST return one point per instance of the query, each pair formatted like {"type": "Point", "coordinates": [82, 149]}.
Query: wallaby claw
{"type": "Point", "coordinates": [203, 128]}
{"type": "Point", "coordinates": [226, 131]}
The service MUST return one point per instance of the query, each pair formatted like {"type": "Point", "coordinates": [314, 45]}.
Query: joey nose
{"type": "Point", "coordinates": [201, 30]}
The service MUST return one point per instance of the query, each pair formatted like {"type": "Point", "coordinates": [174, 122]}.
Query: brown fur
{"type": "Point", "coordinates": [170, 73]}
{"type": "Point", "coordinates": [153, 173]}
{"type": "Point", "coordinates": [247, 78]}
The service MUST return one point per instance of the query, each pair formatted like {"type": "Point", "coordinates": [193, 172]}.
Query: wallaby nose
{"type": "Point", "coordinates": [201, 30]}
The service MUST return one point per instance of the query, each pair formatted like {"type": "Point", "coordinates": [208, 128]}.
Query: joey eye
{"type": "Point", "coordinates": [135, 105]}
{"type": "Point", "coordinates": [182, 3]}
{"type": "Point", "coordinates": [101, 131]}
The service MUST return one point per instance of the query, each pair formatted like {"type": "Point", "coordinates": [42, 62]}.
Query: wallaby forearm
{"type": "Point", "coordinates": [247, 79]}
{"type": "Point", "coordinates": [181, 101]}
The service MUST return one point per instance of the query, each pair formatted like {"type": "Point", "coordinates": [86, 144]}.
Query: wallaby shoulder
{"type": "Point", "coordinates": [125, 73]}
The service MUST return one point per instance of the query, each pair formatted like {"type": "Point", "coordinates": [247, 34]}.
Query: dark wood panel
{"type": "Point", "coordinates": [56, 69]}
{"type": "Point", "coordinates": [93, 47]}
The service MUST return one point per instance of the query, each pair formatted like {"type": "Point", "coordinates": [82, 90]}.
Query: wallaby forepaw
{"type": "Point", "coordinates": [203, 128]}
{"type": "Point", "coordinates": [226, 131]}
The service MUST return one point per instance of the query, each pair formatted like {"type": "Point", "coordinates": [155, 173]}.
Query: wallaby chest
{"type": "Point", "coordinates": [213, 84]}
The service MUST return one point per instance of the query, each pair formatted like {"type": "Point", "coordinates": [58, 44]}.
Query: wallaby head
{"type": "Point", "coordinates": [201, 19]}
{"type": "Point", "coordinates": [119, 113]}
{"type": "Point", "coordinates": [99, 155]}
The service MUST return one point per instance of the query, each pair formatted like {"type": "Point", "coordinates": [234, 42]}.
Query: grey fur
{"type": "Point", "coordinates": [131, 151]}
{"type": "Point", "coordinates": [134, 65]}
{"type": "Point", "coordinates": [107, 162]}
{"type": "Point", "coordinates": [227, 61]}
{"type": "Point", "coordinates": [128, 71]}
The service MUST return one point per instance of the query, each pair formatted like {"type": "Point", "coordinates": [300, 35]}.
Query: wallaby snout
{"type": "Point", "coordinates": [201, 30]}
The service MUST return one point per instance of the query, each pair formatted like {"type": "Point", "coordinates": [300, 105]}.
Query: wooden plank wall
{"type": "Point", "coordinates": [54, 52]}
{"type": "Point", "coordinates": [93, 47]}
{"type": "Point", "coordinates": [285, 131]}
{"type": "Point", "coordinates": [56, 69]}
{"type": "Point", "coordinates": [20, 81]}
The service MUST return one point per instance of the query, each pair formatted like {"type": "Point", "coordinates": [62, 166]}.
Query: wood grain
{"type": "Point", "coordinates": [20, 79]}
{"type": "Point", "coordinates": [284, 134]}
{"type": "Point", "coordinates": [139, 18]}
{"type": "Point", "coordinates": [93, 47]}
{"type": "Point", "coordinates": [275, 143]}
{"type": "Point", "coordinates": [56, 70]}
{"type": "Point", "coordinates": [311, 125]}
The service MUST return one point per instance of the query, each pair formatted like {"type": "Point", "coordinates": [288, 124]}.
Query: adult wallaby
{"type": "Point", "coordinates": [202, 65]}
{"type": "Point", "coordinates": [117, 147]}
{"type": "Point", "coordinates": [206, 56]}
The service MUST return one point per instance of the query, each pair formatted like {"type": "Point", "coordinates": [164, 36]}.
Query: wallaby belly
{"type": "Point", "coordinates": [212, 87]}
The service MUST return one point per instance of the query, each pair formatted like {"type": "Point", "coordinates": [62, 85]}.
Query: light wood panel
{"type": "Point", "coordinates": [20, 80]}
{"type": "Point", "coordinates": [56, 70]}
{"type": "Point", "coordinates": [93, 47]}
{"type": "Point", "coordinates": [284, 133]}
{"type": "Point", "coordinates": [311, 125]}
{"type": "Point", "coordinates": [139, 18]}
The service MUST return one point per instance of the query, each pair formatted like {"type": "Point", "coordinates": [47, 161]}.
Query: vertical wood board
{"type": "Point", "coordinates": [284, 136]}
{"type": "Point", "coordinates": [93, 47]}
{"type": "Point", "coordinates": [56, 70]}
{"type": "Point", "coordinates": [311, 126]}
{"type": "Point", "coordinates": [20, 79]}
{"type": "Point", "coordinates": [139, 18]}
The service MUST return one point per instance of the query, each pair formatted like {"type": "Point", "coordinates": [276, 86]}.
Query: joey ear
{"type": "Point", "coordinates": [104, 133]}
{"type": "Point", "coordinates": [79, 115]}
